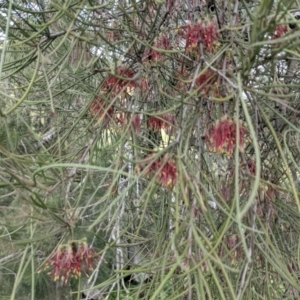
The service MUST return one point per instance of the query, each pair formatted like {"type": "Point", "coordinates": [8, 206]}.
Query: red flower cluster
{"type": "Point", "coordinates": [154, 56]}
{"type": "Point", "coordinates": [164, 169]}
{"type": "Point", "coordinates": [136, 123]}
{"type": "Point", "coordinates": [165, 122]}
{"type": "Point", "coordinates": [117, 84]}
{"type": "Point", "coordinates": [223, 137]}
{"type": "Point", "coordinates": [124, 82]}
{"type": "Point", "coordinates": [280, 31]}
{"type": "Point", "coordinates": [168, 172]}
{"type": "Point", "coordinates": [69, 261]}
{"type": "Point", "coordinates": [101, 109]}
{"type": "Point", "coordinates": [207, 83]}
{"type": "Point", "coordinates": [199, 33]}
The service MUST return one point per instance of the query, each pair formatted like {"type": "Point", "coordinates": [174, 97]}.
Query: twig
{"type": "Point", "coordinates": [186, 106]}
{"type": "Point", "coordinates": [72, 173]}
{"type": "Point", "coordinates": [53, 36]}
{"type": "Point", "coordinates": [250, 253]}
{"type": "Point", "coordinates": [243, 278]}
{"type": "Point", "coordinates": [8, 257]}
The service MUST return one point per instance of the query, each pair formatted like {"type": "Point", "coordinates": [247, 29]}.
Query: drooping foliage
{"type": "Point", "coordinates": [149, 149]}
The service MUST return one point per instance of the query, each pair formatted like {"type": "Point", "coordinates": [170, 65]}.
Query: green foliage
{"type": "Point", "coordinates": [163, 135]}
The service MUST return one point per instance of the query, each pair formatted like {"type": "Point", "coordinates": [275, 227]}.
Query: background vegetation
{"type": "Point", "coordinates": [151, 145]}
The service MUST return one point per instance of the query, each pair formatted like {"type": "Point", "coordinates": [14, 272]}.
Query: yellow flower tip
{"type": "Point", "coordinates": [224, 118]}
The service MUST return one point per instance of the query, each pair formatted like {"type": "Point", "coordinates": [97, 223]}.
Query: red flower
{"type": "Point", "coordinates": [280, 30]}
{"type": "Point", "coordinates": [67, 264]}
{"type": "Point", "coordinates": [86, 254]}
{"type": "Point", "coordinates": [136, 123]}
{"type": "Point", "coordinates": [196, 33]}
{"type": "Point", "coordinates": [169, 122]}
{"type": "Point", "coordinates": [154, 56]}
{"type": "Point", "coordinates": [207, 83]}
{"type": "Point", "coordinates": [150, 164]}
{"type": "Point", "coordinates": [56, 261]}
{"type": "Point", "coordinates": [165, 122]}
{"type": "Point", "coordinates": [68, 261]}
{"type": "Point", "coordinates": [101, 109]}
{"type": "Point", "coordinates": [155, 123]}
{"type": "Point", "coordinates": [61, 261]}
{"type": "Point", "coordinates": [223, 137]}
{"type": "Point", "coordinates": [117, 85]}
{"type": "Point", "coordinates": [164, 169]}
{"type": "Point", "coordinates": [168, 173]}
